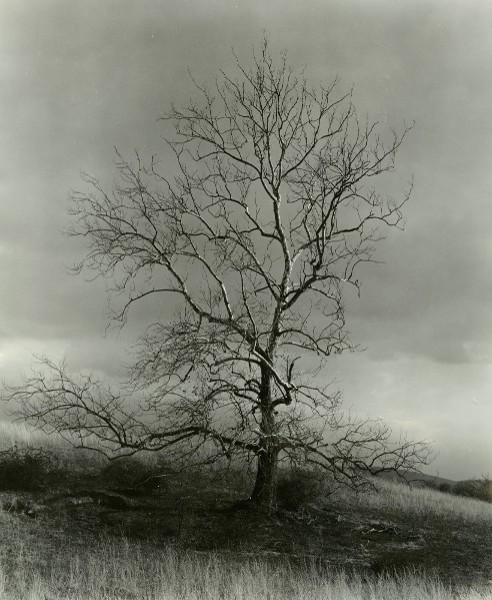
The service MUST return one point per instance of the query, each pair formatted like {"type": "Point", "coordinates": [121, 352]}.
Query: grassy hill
{"type": "Point", "coordinates": [419, 478]}
{"type": "Point", "coordinates": [86, 530]}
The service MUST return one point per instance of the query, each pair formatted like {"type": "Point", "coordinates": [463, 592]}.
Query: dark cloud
{"type": "Point", "coordinates": [433, 294]}
{"type": "Point", "coordinates": [79, 78]}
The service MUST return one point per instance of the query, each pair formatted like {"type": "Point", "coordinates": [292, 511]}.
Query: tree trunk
{"type": "Point", "coordinates": [265, 489]}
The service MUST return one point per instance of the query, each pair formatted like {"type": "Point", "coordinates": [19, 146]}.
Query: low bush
{"type": "Point", "coordinates": [27, 469]}
{"type": "Point", "coordinates": [480, 489]}
{"type": "Point", "coordinates": [134, 472]}
{"type": "Point", "coordinates": [296, 488]}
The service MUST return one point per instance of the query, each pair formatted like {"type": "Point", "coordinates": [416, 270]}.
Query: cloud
{"type": "Point", "coordinates": [80, 78]}
{"type": "Point", "coordinates": [433, 294]}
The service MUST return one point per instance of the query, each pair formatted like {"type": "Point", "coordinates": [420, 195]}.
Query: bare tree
{"type": "Point", "coordinates": [251, 244]}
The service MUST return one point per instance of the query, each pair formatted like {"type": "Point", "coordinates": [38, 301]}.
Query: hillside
{"type": "Point", "coordinates": [419, 478]}
{"type": "Point", "coordinates": [392, 532]}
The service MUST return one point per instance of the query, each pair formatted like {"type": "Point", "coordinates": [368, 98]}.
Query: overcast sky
{"type": "Point", "coordinates": [78, 78]}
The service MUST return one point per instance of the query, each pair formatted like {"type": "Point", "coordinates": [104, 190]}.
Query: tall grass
{"type": "Point", "coordinates": [86, 567]}
{"type": "Point", "coordinates": [39, 564]}
{"type": "Point", "coordinates": [21, 435]}
{"type": "Point", "coordinates": [118, 570]}
{"type": "Point", "coordinates": [425, 502]}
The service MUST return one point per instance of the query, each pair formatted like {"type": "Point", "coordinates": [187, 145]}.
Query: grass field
{"type": "Point", "coordinates": [118, 569]}
{"type": "Point", "coordinates": [426, 503]}
{"type": "Point", "coordinates": [186, 541]}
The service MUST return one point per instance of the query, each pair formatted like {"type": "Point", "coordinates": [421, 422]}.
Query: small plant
{"type": "Point", "coordinates": [27, 469]}
{"type": "Point", "coordinates": [18, 506]}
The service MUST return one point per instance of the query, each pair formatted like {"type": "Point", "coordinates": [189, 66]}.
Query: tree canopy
{"type": "Point", "coordinates": [250, 239]}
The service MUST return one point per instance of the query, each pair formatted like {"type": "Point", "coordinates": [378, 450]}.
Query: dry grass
{"type": "Point", "coordinates": [21, 435]}
{"type": "Point", "coordinates": [120, 570]}
{"type": "Point", "coordinates": [43, 560]}
{"type": "Point", "coordinates": [425, 502]}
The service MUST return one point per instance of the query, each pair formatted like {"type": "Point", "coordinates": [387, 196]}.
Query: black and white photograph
{"type": "Point", "coordinates": [246, 299]}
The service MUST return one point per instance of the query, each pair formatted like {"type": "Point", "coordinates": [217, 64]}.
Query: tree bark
{"type": "Point", "coordinates": [265, 489]}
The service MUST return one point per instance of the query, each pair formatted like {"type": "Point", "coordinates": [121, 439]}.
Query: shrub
{"type": "Point", "coordinates": [479, 489]}
{"type": "Point", "coordinates": [296, 488]}
{"type": "Point", "coordinates": [444, 487]}
{"type": "Point", "coordinates": [133, 472]}
{"type": "Point", "coordinates": [27, 469]}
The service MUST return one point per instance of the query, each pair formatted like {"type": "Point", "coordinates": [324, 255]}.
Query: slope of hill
{"type": "Point", "coordinates": [394, 531]}
{"type": "Point", "coordinates": [418, 479]}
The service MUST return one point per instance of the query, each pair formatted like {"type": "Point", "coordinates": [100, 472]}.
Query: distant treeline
{"type": "Point", "coordinates": [478, 488]}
